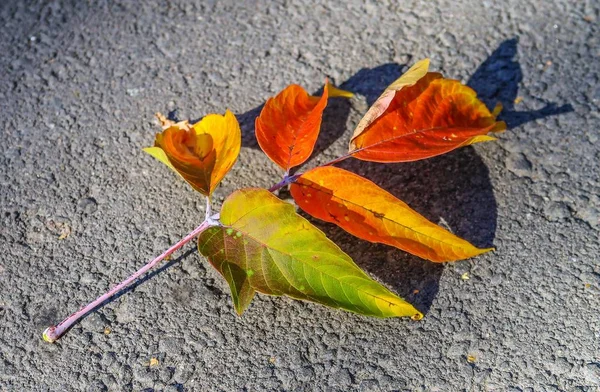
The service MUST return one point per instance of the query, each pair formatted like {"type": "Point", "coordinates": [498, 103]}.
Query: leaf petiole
{"type": "Point", "coordinates": [53, 333]}
{"type": "Point", "coordinates": [287, 179]}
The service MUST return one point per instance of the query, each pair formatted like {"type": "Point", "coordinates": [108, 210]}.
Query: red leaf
{"type": "Point", "coordinates": [425, 117]}
{"type": "Point", "coordinates": [288, 125]}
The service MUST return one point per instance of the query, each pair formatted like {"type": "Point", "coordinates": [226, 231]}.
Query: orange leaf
{"type": "Point", "coordinates": [422, 115]}
{"type": "Point", "coordinates": [289, 123]}
{"type": "Point", "coordinates": [201, 153]}
{"type": "Point", "coordinates": [409, 78]}
{"type": "Point", "coordinates": [366, 211]}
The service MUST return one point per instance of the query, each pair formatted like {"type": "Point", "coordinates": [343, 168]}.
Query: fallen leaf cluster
{"type": "Point", "coordinates": [259, 243]}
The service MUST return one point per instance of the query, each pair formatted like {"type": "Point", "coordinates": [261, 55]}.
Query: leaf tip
{"type": "Point", "coordinates": [499, 127]}
{"type": "Point", "coordinates": [480, 251]}
{"type": "Point", "coordinates": [417, 316]}
{"type": "Point", "coordinates": [149, 150]}
{"type": "Point", "coordinates": [335, 92]}
{"type": "Point", "coordinates": [162, 119]}
{"type": "Point", "coordinates": [239, 311]}
{"type": "Point", "coordinates": [480, 139]}
{"type": "Point", "coordinates": [422, 64]}
{"type": "Point", "coordinates": [491, 249]}
{"type": "Point", "coordinates": [229, 114]}
{"type": "Point", "coordinates": [497, 109]}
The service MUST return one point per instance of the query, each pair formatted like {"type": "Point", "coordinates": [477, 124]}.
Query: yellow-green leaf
{"type": "Point", "coordinates": [281, 253]}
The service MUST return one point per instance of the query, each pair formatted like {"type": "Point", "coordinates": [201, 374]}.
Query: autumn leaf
{"type": "Point", "coordinates": [263, 245]}
{"type": "Point", "coordinates": [409, 78]}
{"type": "Point", "coordinates": [201, 153]}
{"type": "Point", "coordinates": [422, 115]}
{"type": "Point", "coordinates": [366, 211]}
{"type": "Point", "coordinates": [289, 123]}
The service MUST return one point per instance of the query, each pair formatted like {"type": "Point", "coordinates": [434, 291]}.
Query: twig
{"type": "Point", "coordinates": [53, 333]}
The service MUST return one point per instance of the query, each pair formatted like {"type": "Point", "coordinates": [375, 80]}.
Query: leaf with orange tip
{"type": "Point", "coordinates": [366, 211]}
{"type": "Point", "coordinates": [289, 123]}
{"type": "Point", "coordinates": [201, 153]}
{"type": "Point", "coordinates": [422, 115]}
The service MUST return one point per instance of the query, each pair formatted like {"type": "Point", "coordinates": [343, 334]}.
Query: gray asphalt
{"type": "Point", "coordinates": [80, 82]}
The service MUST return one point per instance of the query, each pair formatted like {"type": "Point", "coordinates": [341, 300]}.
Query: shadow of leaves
{"type": "Point", "coordinates": [497, 79]}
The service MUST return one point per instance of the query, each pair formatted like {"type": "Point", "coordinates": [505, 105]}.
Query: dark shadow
{"type": "Point", "coordinates": [368, 82]}
{"type": "Point", "coordinates": [134, 285]}
{"type": "Point", "coordinates": [333, 125]}
{"type": "Point", "coordinates": [246, 121]}
{"type": "Point", "coordinates": [497, 80]}
{"type": "Point", "coordinates": [453, 190]}
{"type": "Point", "coordinates": [151, 275]}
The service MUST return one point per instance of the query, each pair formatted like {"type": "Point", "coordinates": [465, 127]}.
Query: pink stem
{"type": "Point", "coordinates": [53, 333]}
{"type": "Point", "coordinates": [336, 160]}
{"type": "Point", "coordinates": [286, 180]}
{"type": "Point", "coordinates": [290, 179]}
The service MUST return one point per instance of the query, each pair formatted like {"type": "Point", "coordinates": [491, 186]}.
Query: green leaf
{"type": "Point", "coordinates": [212, 244]}
{"type": "Point", "coordinates": [265, 246]}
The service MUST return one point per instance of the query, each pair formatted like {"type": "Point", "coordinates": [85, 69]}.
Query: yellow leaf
{"type": "Point", "coordinates": [411, 76]}
{"type": "Point", "coordinates": [202, 153]}
{"type": "Point", "coordinates": [159, 154]}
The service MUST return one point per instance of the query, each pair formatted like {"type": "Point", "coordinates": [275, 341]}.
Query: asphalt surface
{"type": "Point", "coordinates": [82, 206]}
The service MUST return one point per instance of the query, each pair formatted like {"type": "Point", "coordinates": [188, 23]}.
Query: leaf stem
{"type": "Point", "coordinates": [208, 213]}
{"type": "Point", "coordinates": [53, 333]}
{"type": "Point", "coordinates": [336, 160]}
{"type": "Point", "coordinates": [287, 179]}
